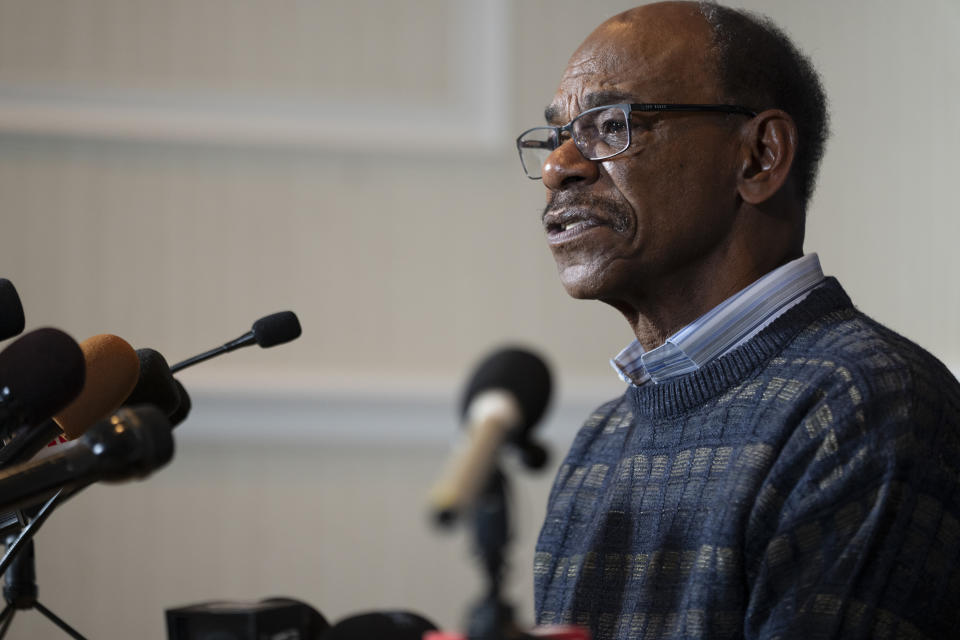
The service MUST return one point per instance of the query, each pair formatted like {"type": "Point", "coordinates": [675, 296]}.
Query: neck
{"type": "Point", "coordinates": [671, 303]}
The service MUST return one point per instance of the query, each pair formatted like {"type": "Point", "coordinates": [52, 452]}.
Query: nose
{"type": "Point", "coordinates": [566, 166]}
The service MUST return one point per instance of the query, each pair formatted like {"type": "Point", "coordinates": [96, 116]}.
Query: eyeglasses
{"type": "Point", "coordinates": [599, 133]}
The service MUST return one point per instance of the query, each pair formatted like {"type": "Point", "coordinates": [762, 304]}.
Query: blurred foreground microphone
{"type": "Point", "coordinates": [130, 444]}
{"type": "Point", "coordinates": [382, 625]}
{"type": "Point", "coordinates": [268, 331]}
{"type": "Point", "coordinates": [11, 311]}
{"type": "Point", "coordinates": [155, 385]}
{"type": "Point", "coordinates": [158, 387]}
{"type": "Point", "coordinates": [112, 372]}
{"type": "Point", "coordinates": [273, 618]}
{"type": "Point", "coordinates": [39, 374]}
{"type": "Point", "coordinates": [183, 410]}
{"type": "Point", "coordinates": [504, 399]}
{"type": "Point", "coordinates": [111, 368]}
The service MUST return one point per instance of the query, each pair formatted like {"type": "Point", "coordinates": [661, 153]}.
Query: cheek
{"type": "Point", "coordinates": [644, 196]}
{"type": "Point", "coordinates": [672, 188]}
{"type": "Point", "coordinates": [671, 208]}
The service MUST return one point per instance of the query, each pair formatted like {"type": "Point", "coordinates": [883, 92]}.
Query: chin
{"type": "Point", "coordinates": [582, 283]}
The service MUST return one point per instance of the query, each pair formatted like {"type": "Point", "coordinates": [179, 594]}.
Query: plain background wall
{"type": "Point", "coordinates": [172, 170]}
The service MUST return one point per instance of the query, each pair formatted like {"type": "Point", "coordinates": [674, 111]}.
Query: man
{"type": "Point", "coordinates": [780, 465]}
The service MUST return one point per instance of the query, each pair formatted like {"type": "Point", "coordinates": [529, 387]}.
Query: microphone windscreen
{"type": "Point", "coordinates": [277, 328]}
{"type": "Point", "coordinates": [132, 443]}
{"type": "Point", "coordinates": [43, 371]}
{"type": "Point", "coordinates": [311, 622]}
{"type": "Point", "coordinates": [155, 385]}
{"type": "Point", "coordinates": [383, 625]}
{"type": "Point", "coordinates": [517, 371]}
{"type": "Point", "coordinates": [11, 311]}
{"type": "Point", "coordinates": [183, 409]}
{"type": "Point", "coordinates": [112, 372]}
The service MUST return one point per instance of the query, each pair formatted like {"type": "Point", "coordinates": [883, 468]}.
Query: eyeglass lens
{"type": "Point", "coordinates": [598, 133]}
{"type": "Point", "coordinates": [601, 133]}
{"type": "Point", "coordinates": [535, 145]}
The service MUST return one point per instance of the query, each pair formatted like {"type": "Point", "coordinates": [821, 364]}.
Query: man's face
{"type": "Point", "coordinates": [620, 227]}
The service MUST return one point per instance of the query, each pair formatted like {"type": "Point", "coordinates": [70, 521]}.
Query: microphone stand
{"type": "Point", "coordinates": [19, 562]}
{"type": "Point", "coordinates": [492, 618]}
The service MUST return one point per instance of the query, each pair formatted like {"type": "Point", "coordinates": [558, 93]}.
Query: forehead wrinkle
{"type": "Point", "coordinates": [554, 112]}
{"type": "Point", "coordinates": [599, 75]}
{"type": "Point", "coordinates": [595, 92]}
{"type": "Point", "coordinates": [605, 97]}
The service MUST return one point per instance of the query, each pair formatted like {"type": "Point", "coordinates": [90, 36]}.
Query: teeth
{"type": "Point", "coordinates": [570, 225]}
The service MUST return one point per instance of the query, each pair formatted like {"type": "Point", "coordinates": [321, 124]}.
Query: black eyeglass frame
{"type": "Point", "coordinates": [554, 141]}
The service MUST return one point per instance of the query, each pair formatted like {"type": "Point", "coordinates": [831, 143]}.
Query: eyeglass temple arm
{"type": "Point", "coordinates": [722, 108]}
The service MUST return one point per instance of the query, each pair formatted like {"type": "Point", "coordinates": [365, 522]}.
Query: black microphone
{"type": "Point", "coordinates": [279, 618]}
{"type": "Point", "coordinates": [40, 374]}
{"type": "Point", "coordinates": [155, 385]}
{"type": "Point", "coordinates": [268, 331]}
{"type": "Point", "coordinates": [111, 370]}
{"type": "Point", "coordinates": [382, 625]}
{"type": "Point", "coordinates": [506, 396]}
{"type": "Point", "coordinates": [183, 409]}
{"type": "Point", "coordinates": [130, 444]}
{"type": "Point", "coordinates": [158, 387]}
{"type": "Point", "coordinates": [11, 311]}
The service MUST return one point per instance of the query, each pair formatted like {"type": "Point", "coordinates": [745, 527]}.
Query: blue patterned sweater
{"type": "Point", "coordinates": [803, 486]}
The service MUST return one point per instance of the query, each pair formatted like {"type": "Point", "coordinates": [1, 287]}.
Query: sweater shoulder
{"type": "Point", "coordinates": [882, 409]}
{"type": "Point", "coordinates": [853, 348]}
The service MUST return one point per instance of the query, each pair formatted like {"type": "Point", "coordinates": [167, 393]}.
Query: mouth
{"type": "Point", "coordinates": [566, 225]}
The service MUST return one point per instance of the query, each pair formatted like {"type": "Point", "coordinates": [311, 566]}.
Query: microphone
{"type": "Point", "coordinates": [504, 399]}
{"type": "Point", "coordinates": [267, 332]}
{"type": "Point", "coordinates": [158, 387]}
{"type": "Point", "coordinates": [155, 385]}
{"type": "Point", "coordinates": [183, 410]}
{"type": "Point", "coordinates": [40, 373]}
{"type": "Point", "coordinates": [130, 444]}
{"type": "Point", "coordinates": [113, 369]}
{"type": "Point", "coordinates": [278, 618]}
{"type": "Point", "coordinates": [383, 625]}
{"type": "Point", "coordinates": [11, 311]}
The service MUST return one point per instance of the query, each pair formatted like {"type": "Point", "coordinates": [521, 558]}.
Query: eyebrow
{"type": "Point", "coordinates": [554, 111]}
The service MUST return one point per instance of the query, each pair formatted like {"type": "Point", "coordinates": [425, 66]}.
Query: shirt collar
{"type": "Point", "coordinates": [723, 328]}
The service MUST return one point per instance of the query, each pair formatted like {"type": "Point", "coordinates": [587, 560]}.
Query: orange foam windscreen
{"type": "Point", "coordinates": [112, 372]}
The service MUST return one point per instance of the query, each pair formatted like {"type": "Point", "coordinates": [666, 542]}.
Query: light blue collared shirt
{"type": "Point", "coordinates": [723, 328]}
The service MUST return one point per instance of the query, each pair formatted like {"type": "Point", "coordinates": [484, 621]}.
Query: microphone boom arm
{"type": "Point", "coordinates": [245, 340]}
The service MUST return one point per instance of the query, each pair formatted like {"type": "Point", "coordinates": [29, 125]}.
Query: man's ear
{"type": "Point", "coordinates": [769, 145]}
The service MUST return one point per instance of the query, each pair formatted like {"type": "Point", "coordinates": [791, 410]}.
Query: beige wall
{"type": "Point", "coordinates": [170, 171]}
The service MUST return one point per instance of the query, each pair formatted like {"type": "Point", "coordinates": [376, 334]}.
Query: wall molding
{"type": "Point", "coordinates": [316, 409]}
{"type": "Point", "coordinates": [472, 116]}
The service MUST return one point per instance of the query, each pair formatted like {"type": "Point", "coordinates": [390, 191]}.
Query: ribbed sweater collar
{"type": "Point", "coordinates": [691, 391]}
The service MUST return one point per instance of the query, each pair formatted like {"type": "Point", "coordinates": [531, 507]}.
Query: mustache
{"type": "Point", "coordinates": [615, 212]}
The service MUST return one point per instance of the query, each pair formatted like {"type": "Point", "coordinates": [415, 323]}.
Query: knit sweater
{"type": "Point", "coordinates": [804, 485]}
